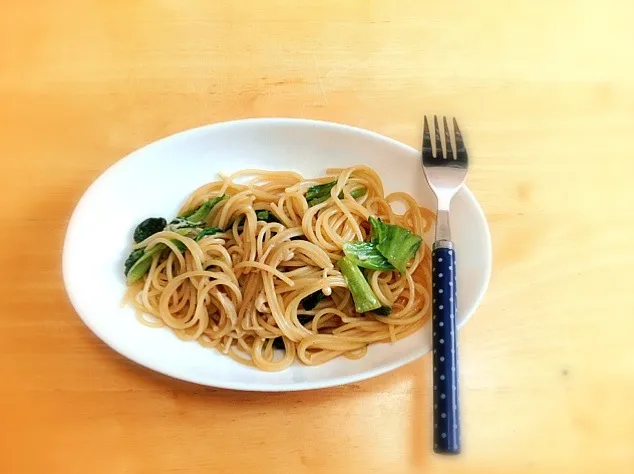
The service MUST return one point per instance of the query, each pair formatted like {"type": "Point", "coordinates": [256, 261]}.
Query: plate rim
{"type": "Point", "coordinates": [258, 386]}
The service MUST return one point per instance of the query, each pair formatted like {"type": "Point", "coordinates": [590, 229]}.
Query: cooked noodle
{"type": "Point", "coordinates": [240, 289]}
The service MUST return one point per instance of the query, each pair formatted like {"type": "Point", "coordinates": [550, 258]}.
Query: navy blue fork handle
{"type": "Point", "coordinates": [445, 354]}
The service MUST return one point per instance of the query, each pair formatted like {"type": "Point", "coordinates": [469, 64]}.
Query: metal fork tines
{"type": "Point", "coordinates": [445, 172]}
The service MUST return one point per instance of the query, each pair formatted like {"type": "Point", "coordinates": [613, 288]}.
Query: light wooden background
{"type": "Point", "coordinates": [544, 90]}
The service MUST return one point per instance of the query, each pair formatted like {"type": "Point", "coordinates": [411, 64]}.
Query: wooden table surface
{"type": "Point", "coordinates": [545, 93]}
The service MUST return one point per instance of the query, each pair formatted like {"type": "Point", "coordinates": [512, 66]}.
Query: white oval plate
{"type": "Point", "coordinates": [156, 179]}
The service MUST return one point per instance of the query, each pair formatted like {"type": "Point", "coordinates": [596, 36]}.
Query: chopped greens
{"type": "Point", "coordinates": [179, 224]}
{"type": "Point", "coordinates": [142, 265]}
{"type": "Point", "coordinates": [266, 216]}
{"type": "Point", "coordinates": [321, 193]}
{"type": "Point", "coordinates": [135, 269]}
{"type": "Point", "coordinates": [189, 224]}
{"type": "Point", "coordinates": [366, 255]}
{"type": "Point", "coordinates": [131, 260]}
{"type": "Point", "coordinates": [397, 244]}
{"type": "Point", "coordinates": [311, 301]}
{"type": "Point", "coordinates": [179, 245]}
{"type": "Point", "coordinates": [199, 215]}
{"type": "Point", "coordinates": [149, 227]}
{"type": "Point", "coordinates": [356, 193]}
{"type": "Point", "coordinates": [364, 299]}
{"type": "Point", "coordinates": [206, 232]}
{"type": "Point", "coordinates": [383, 311]}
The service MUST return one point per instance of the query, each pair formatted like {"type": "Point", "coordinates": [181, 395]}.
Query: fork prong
{"type": "Point", "coordinates": [448, 145]}
{"type": "Point", "coordinates": [439, 153]}
{"type": "Point", "coordinates": [461, 151]}
{"type": "Point", "coordinates": [427, 151]}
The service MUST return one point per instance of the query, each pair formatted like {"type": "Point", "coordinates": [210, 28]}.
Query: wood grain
{"type": "Point", "coordinates": [545, 93]}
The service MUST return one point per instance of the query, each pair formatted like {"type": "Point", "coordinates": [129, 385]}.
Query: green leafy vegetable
{"type": "Point", "coordinates": [364, 299]}
{"type": "Point", "coordinates": [265, 216]}
{"type": "Point", "coordinates": [185, 228]}
{"type": "Point", "coordinates": [180, 223]}
{"type": "Point", "coordinates": [383, 311]}
{"type": "Point", "coordinates": [139, 261]}
{"type": "Point", "coordinates": [206, 232]}
{"type": "Point", "coordinates": [131, 260]}
{"type": "Point", "coordinates": [355, 193]}
{"type": "Point", "coordinates": [321, 193]}
{"type": "Point", "coordinates": [199, 215]}
{"type": "Point", "coordinates": [309, 302]}
{"type": "Point", "coordinates": [149, 227]}
{"type": "Point", "coordinates": [188, 228]}
{"type": "Point", "coordinates": [189, 224]}
{"type": "Point", "coordinates": [179, 245]}
{"type": "Point", "coordinates": [366, 255]}
{"type": "Point", "coordinates": [319, 190]}
{"type": "Point", "coordinates": [142, 264]}
{"type": "Point", "coordinates": [397, 244]}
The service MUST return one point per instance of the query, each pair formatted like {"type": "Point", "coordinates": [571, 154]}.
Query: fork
{"type": "Point", "coordinates": [445, 173]}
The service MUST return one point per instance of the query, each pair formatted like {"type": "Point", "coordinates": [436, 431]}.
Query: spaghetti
{"type": "Point", "coordinates": [259, 277]}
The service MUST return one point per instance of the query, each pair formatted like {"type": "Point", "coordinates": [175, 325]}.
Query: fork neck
{"type": "Point", "coordinates": [442, 220]}
{"type": "Point", "coordinates": [442, 225]}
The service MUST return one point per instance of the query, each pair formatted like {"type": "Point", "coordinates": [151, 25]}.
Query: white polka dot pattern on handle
{"type": "Point", "coordinates": [444, 354]}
